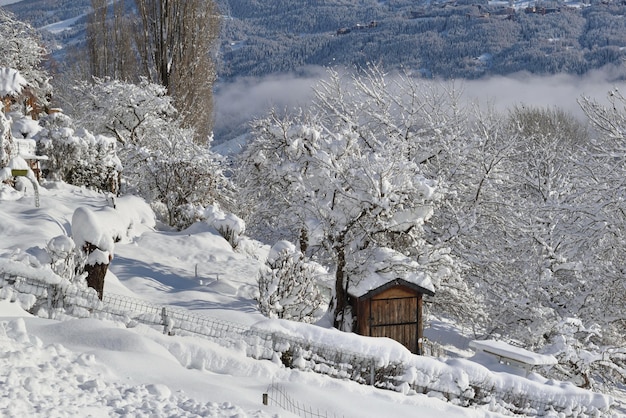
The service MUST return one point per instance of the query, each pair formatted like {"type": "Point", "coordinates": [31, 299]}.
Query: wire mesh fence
{"type": "Point", "coordinates": [68, 299]}
{"type": "Point", "coordinates": [277, 395]}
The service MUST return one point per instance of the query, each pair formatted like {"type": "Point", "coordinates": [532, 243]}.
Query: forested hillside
{"type": "Point", "coordinates": [41, 13]}
{"type": "Point", "coordinates": [462, 39]}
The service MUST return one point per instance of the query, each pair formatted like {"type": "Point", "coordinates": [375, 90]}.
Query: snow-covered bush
{"type": "Point", "coordinates": [289, 285]}
{"type": "Point", "coordinates": [76, 156]}
{"type": "Point", "coordinates": [61, 250]}
{"type": "Point", "coordinates": [228, 225]}
{"type": "Point", "coordinates": [586, 356]}
{"type": "Point", "coordinates": [180, 176]}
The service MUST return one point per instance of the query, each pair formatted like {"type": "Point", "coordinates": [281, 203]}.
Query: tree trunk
{"type": "Point", "coordinates": [95, 272]}
{"type": "Point", "coordinates": [341, 291]}
{"type": "Point", "coordinates": [304, 240]}
{"type": "Point", "coordinates": [95, 277]}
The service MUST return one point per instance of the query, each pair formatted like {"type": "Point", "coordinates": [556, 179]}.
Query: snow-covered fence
{"type": "Point", "coordinates": [453, 380]}
{"type": "Point", "coordinates": [432, 349]}
{"type": "Point", "coordinates": [460, 382]}
{"type": "Point", "coordinates": [278, 396]}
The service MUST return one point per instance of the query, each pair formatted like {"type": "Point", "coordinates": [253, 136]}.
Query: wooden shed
{"type": "Point", "coordinates": [392, 309]}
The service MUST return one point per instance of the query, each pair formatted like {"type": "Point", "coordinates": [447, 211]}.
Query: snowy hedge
{"type": "Point", "coordinates": [387, 364]}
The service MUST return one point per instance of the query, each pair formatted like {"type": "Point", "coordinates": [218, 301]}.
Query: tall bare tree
{"type": "Point", "coordinates": [170, 42]}
{"type": "Point", "coordinates": [110, 48]}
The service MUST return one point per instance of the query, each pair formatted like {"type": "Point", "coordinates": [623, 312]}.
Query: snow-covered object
{"type": "Point", "coordinates": [290, 286]}
{"type": "Point", "coordinates": [228, 225]}
{"type": "Point", "coordinates": [26, 148]}
{"type": "Point", "coordinates": [24, 127]}
{"type": "Point", "coordinates": [86, 229]}
{"type": "Point", "coordinates": [21, 269]}
{"type": "Point", "coordinates": [384, 265]}
{"type": "Point", "coordinates": [502, 349]}
{"type": "Point", "coordinates": [455, 377]}
{"type": "Point", "coordinates": [61, 245]}
{"type": "Point", "coordinates": [11, 82]}
{"type": "Point", "coordinates": [18, 163]}
{"type": "Point", "coordinates": [159, 267]}
{"type": "Point", "coordinates": [130, 218]}
{"type": "Point", "coordinates": [62, 256]}
{"type": "Point", "coordinates": [279, 248]}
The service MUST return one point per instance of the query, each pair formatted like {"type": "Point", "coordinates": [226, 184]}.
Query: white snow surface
{"type": "Point", "coordinates": [502, 349]}
{"type": "Point", "coordinates": [102, 368]}
{"type": "Point", "coordinates": [11, 82]}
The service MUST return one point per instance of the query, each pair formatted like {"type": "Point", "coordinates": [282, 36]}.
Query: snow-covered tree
{"type": "Point", "coordinates": [345, 174]}
{"type": "Point", "coordinates": [609, 120]}
{"type": "Point", "coordinates": [161, 160]}
{"type": "Point", "coordinates": [290, 285]}
{"type": "Point", "coordinates": [21, 49]}
{"type": "Point", "coordinates": [585, 356]}
{"type": "Point", "coordinates": [170, 43]}
{"type": "Point", "coordinates": [520, 203]}
{"type": "Point", "coordinates": [132, 113]}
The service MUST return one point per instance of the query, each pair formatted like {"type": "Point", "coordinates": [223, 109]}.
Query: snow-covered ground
{"type": "Point", "coordinates": [97, 367]}
{"type": "Point", "coordinates": [63, 25]}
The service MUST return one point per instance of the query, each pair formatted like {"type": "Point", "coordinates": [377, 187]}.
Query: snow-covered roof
{"type": "Point", "coordinates": [372, 288]}
{"type": "Point", "coordinates": [24, 126]}
{"type": "Point", "coordinates": [11, 82]}
{"type": "Point", "coordinates": [502, 349]}
{"type": "Point", "coordinates": [389, 268]}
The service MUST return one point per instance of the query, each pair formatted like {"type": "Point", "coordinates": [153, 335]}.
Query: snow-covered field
{"type": "Point", "coordinates": [96, 367]}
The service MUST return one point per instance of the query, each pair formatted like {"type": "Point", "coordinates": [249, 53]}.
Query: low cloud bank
{"type": "Point", "coordinates": [238, 103]}
{"type": "Point", "coordinates": [241, 101]}
{"type": "Point", "coordinates": [560, 90]}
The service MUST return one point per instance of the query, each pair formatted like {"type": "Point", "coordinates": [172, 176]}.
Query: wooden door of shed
{"type": "Point", "coordinates": [396, 318]}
